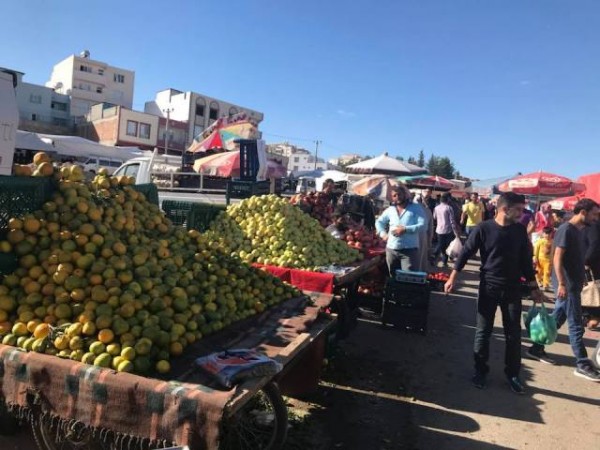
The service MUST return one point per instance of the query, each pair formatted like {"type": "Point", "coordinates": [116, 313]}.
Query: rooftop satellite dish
{"type": "Point", "coordinates": [85, 54]}
{"type": "Point", "coordinates": [58, 85]}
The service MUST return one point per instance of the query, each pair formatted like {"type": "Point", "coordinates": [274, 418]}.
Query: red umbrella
{"type": "Point", "coordinates": [228, 165]}
{"type": "Point", "coordinates": [221, 164]}
{"type": "Point", "coordinates": [565, 203]}
{"type": "Point", "coordinates": [213, 141]}
{"type": "Point", "coordinates": [540, 183]}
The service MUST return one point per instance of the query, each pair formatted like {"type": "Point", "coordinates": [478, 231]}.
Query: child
{"type": "Point", "coordinates": [542, 258]}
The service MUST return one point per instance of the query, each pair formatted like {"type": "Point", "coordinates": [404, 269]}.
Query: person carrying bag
{"type": "Point", "coordinates": [590, 295]}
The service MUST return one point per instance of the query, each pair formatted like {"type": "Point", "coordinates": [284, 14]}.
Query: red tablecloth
{"type": "Point", "coordinates": [303, 279]}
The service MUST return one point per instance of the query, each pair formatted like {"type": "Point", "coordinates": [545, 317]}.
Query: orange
{"type": "Point", "coordinates": [106, 336]}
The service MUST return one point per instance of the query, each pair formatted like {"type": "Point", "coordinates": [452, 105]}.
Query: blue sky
{"type": "Point", "coordinates": [499, 86]}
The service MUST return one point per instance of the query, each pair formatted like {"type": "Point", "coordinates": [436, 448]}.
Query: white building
{"type": "Point", "coordinates": [41, 109]}
{"type": "Point", "coordinates": [89, 82]}
{"type": "Point", "coordinates": [345, 159]}
{"type": "Point", "coordinates": [304, 161]}
{"type": "Point", "coordinates": [198, 110]}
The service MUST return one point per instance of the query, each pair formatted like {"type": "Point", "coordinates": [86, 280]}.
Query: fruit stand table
{"type": "Point", "coordinates": [85, 406]}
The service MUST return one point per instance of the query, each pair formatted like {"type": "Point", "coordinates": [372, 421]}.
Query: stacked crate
{"type": "Point", "coordinates": [406, 301]}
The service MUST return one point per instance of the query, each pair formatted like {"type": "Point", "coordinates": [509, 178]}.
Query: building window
{"type": "Point", "coordinates": [59, 106]}
{"type": "Point", "coordinates": [132, 128]}
{"type": "Point", "coordinates": [144, 130]}
{"type": "Point", "coordinates": [213, 112]}
{"type": "Point", "coordinates": [34, 98]}
{"type": "Point", "coordinates": [296, 159]}
{"type": "Point", "coordinates": [295, 168]}
{"type": "Point", "coordinates": [99, 90]}
{"type": "Point", "coordinates": [200, 110]}
{"type": "Point", "coordinates": [34, 117]}
{"type": "Point", "coordinates": [232, 111]}
{"type": "Point", "coordinates": [100, 71]}
{"type": "Point", "coordinates": [118, 78]}
{"type": "Point", "coordinates": [85, 68]}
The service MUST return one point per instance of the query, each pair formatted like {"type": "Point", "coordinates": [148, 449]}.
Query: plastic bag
{"type": "Point", "coordinates": [528, 317]}
{"type": "Point", "coordinates": [542, 328]}
{"type": "Point", "coordinates": [455, 248]}
{"type": "Point", "coordinates": [236, 365]}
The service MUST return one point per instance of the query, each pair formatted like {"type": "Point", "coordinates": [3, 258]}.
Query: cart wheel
{"type": "Point", "coordinates": [49, 435]}
{"type": "Point", "coordinates": [8, 423]}
{"type": "Point", "coordinates": [260, 424]}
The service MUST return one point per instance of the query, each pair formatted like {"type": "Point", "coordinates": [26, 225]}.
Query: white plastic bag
{"type": "Point", "coordinates": [455, 248]}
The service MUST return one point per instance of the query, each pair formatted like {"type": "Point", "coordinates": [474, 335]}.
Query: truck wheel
{"type": "Point", "coordinates": [261, 424]}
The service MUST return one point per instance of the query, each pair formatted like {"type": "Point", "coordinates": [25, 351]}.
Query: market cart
{"type": "Point", "coordinates": [73, 405]}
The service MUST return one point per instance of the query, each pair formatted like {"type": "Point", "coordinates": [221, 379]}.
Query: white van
{"type": "Point", "coordinates": [9, 120]}
{"type": "Point", "coordinates": [94, 163]}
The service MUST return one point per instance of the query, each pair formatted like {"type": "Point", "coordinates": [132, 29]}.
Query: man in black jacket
{"type": "Point", "coordinates": [505, 257]}
{"type": "Point", "coordinates": [591, 238]}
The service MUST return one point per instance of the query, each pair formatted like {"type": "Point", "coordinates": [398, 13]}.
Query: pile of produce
{"type": "Point", "coordinates": [317, 204]}
{"type": "Point", "coordinates": [269, 230]}
{"type": "Point", "coordinates": [104, 278]}
{"type": "Point", "coordinates": [363, 239]}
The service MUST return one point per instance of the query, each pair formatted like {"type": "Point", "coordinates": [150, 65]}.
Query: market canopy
{"type": "Point", "coordinates": [376, 186]}
{"type": "Point", "coordinates": [542, 184]}
{"type": "Point", "coordinates": [222, 136]}
{"type": "Point", "coordinates": [385, 165]}
{"type": "Point", "coordinates": [26, 140]}
{"type": "Point", "coordinates": [428, 181]}
{"type": "Point", "coordinates": [592, 190]}
{"type": "Point", "coordinates": [79, 147]}
{"type": "Point", "coordinates": [228, 165]}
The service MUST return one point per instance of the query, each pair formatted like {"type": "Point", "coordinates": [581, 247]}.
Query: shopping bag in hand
{"type": "Point", "coordinates": [528, 317]}
{"type": "Point", "coordinates": [455, 248]}
{"type": "Point", "coordinates": [542, 328]}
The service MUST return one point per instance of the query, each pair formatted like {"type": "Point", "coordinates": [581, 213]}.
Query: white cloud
{"type": "Point", "coordinates": [345, 113]}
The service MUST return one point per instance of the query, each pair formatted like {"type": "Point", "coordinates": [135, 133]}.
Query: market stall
{"type": "Point", "coordinates": [108, 303]}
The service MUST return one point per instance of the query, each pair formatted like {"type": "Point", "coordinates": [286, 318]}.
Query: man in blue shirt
{"type": "Point", "coordinates": [400, 225]}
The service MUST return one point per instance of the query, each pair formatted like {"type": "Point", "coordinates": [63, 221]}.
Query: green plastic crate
{"type": "Point", "coordinates": [149, 190]}
{"type": "Point", "coordinates": [23, 195]}
{"type": "Point", "coordinates": [177, 212]}
{"type": "Point", "coordinates": [202, 214]}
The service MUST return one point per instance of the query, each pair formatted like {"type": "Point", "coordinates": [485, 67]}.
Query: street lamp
{"type": "Point", "coordinates": [167, 111]}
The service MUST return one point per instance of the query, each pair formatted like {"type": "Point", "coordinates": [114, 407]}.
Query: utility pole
{"type": "Point", "coordinates": [168, 111]}
{"type": "Point", "coordinates": [317, 142]}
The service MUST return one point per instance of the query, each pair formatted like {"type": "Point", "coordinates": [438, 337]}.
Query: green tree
{"type": "Point", "coordinates": [345, 164]}
{"type": "Point", "coordinates": [400, 158]}
{"type": "Point", "coordinates": [412, 160]}
{"type": "Point", "coordinates": [421, 159]}
{"type": "Point", "coordinates": [441, 166]}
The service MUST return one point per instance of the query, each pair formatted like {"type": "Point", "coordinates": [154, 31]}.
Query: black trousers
{"type": "Point", "coordinates": [443, 241]}
{"type": "Point", "coordinates": [509, 301]}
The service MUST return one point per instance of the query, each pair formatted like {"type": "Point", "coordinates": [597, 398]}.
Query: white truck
{"type": "Point", "coordinates": [173, 183]}
{"type": "Point", "coordinates": [9, 120]}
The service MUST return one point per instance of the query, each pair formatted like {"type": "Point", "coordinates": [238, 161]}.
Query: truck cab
{"type": "Point", "coordinates": [9, 119]}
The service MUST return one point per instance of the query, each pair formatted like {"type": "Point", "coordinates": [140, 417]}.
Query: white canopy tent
{"type": "Point", "coordinates": [385, 165]}
{"type": "Point", "coordinates": [26, 140]}
{"type": "Point", "coordinates": [319, 177]}
{"type": "Point", "coordinates": [78, 147]}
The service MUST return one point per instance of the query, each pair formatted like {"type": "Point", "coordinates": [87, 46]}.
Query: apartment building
{"type": "Point", "coordinates": [116, 125]}
{"type": "Point", "coordinates": [41, 109]}
{"type": "Point", "coordinates": [89, 82]}
{"type": "Point", "coordinates": [198, 110]}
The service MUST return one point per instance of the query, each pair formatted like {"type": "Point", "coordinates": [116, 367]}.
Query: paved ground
{"type": "Point", "coordinates": [392, 390]}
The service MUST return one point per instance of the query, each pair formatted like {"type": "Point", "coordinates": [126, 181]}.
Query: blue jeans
{"type": "Point", "coordinates": [468, 230]}
{"type": "Point", "coordinates": [406, 259]}
{"type": "Point", "coordinates": [509, 300]}
{"type": "Point", "coordinates": [569, 310]}
{"type": "Point", "coordinates": [443, 241]}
